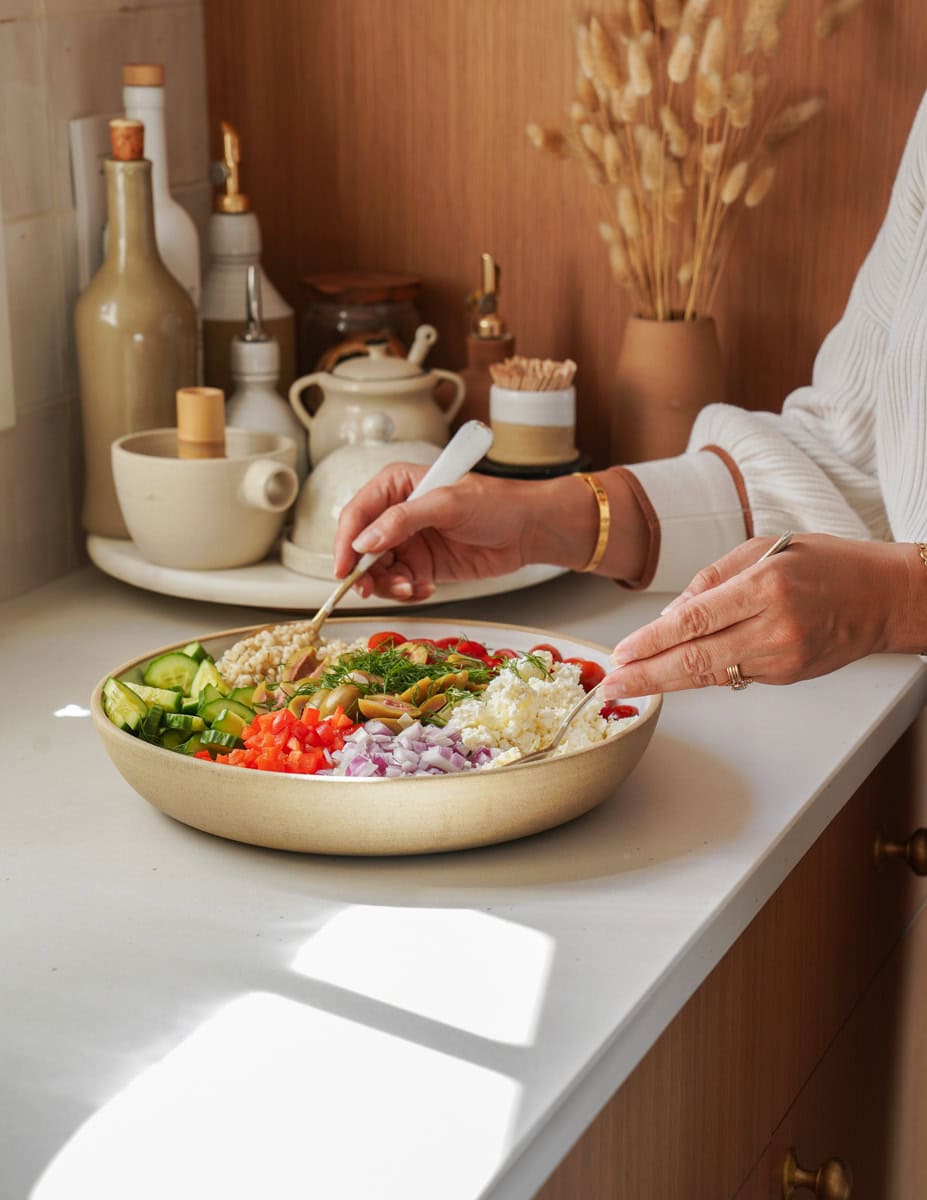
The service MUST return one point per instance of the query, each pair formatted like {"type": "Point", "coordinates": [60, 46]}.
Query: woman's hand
{"type": "Point", "coordinates": [820, 604]}
{"type": "Point", "coordinates": [477, 528]}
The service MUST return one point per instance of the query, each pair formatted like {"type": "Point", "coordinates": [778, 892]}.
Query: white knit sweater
{"type": "Point", "coordinates": [848, 455]}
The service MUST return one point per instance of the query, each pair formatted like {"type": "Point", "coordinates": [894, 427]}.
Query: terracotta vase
{"type": "Point", "coordinates": [667, 372]}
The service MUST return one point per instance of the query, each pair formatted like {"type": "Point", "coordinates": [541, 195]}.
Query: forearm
{"type": "Point", "coordinates": [564, 519]}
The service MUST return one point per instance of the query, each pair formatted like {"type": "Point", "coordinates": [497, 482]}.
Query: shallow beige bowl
{"type": "Point", "coordinates": [421, 815]}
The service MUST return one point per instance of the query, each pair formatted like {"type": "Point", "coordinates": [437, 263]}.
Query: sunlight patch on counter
{"type": "Point", "coordinates": [272, 1098]}
{"type": "Point", "coordinates": [72, 710]}
{"type": "Point", "coordinates": [469, 969]}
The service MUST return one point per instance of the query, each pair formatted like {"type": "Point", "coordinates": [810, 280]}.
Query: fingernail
{"type": "Point", "coordinates": [674, 603]}
{"type": "Point", "coordinates": [401, 587]}
{"type": "Point", "coordinates": [367, 540]}
{"type": "Point", "coordinates": [611, 688]}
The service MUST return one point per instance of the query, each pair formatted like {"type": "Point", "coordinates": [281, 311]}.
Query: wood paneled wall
{"type": "Point", "coordinates": [390, 134]}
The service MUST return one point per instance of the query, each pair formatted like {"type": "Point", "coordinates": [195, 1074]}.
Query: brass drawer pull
{"type": "Point", "coordinates": [913, 851]}
{"type": "Point", "coordinates": [832, 1181]}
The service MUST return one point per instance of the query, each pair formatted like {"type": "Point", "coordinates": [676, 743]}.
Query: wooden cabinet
{"type": "Point", "coordinates": [789, 1040]}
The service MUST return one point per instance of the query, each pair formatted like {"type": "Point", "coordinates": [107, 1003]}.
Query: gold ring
{"type": "Point", "coordinates": [737, 681]}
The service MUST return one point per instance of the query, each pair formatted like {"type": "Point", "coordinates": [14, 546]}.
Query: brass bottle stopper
{"type": "Point", "coordinates": [232, 199]}
{"type": "Point", "coordinates": [488, 323]}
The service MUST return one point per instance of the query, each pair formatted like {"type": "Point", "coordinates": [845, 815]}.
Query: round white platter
{"type": "Point", "coordinates": [269, 584]}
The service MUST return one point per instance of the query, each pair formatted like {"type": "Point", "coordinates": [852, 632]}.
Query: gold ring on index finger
{"type": "Point", "coordinates": [737, 680]}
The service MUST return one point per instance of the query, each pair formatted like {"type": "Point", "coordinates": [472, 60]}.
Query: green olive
{"type": "Point", "coordinates": [364, 679]}
{"type": "Point", "coordinates": [381, 707]}
{"type": "Point", "coordinates": [317, 699]}
{"type": "Point", "coordinates": [346, 694]}
{"type": "Point", "coordinates": [417, 692]}
{"type": "Point", "coordinates": [298, 704]}
{"type": "Point", "coordinates": [415, 652]}
{"type": "Point", "coordinates": [459, 679]}
{"type": "Point", "coordinates": [434, 703]}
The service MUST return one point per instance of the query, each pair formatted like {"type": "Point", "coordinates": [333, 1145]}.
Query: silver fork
{"type": "Point", "coordinates": [537, 755]}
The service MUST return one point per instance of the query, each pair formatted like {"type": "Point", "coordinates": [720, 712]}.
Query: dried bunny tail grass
{"type": "Point", "coordinates": [623, 104]}
{"type": "Point", "coordinates": [640, 17]}
{"type": "Point", "coordinates": [759, 187]}
{"type": "Point", "coordinates": [607, 232]}
{"type": "Point", "coordinates": [694, 16]}
{"type": "Point", "coordinates": [734, 182]}
{"type": "Point", "coordinates": [711, 59]}
{"type": "Point", "coordinates": [690, 165]}
{"type": "Point", "coordinates": [628, 217]}
{"type": "Point", "coordinates": [685, 273]}
{"type": "Point", "coordinates": [738, 99]}
{"type": "Point", "coordinates": [709, 98]}
{"type": "Point", "coordinates": [586, 93]}
{"type": "Point", "coordinates": [584, 51]}
{"type": "Point", "coordinates": [639, 69]}
{"type": "Point", "coordinates": [620, 264]}
{"type": "Point", "coordinates": [674, 193]}
{"type": "Point", "coordinates": [550, 140]}
{"type": "Point", "coordinates": [710, 157]}
{"type": "Point", "coordinates": [668, 13]}
{"type": "Point", "coordinates": [613, 159]}
{"type": "Point", "coordinates": [833, 15]}
{"type": "Point", "coordinates": [592, 139]}
{"type": "Point", "coordinates": [680, 60]}
{"type": "Point", "coordinates": [790, 119]}
{"type": "Point", "coordinates": [759, 14]}
{"type": "Point", "coordinates": [605, 62]}
{"type": "Point", "coordinates": [651, 161]}
{"type": "Point", "coordinates": [676, 135]}
{"type": "Point", "coordinates": [769, 39]}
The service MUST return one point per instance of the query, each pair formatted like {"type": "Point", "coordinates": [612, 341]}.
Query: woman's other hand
{"type": "Point", "coordinates": [820, 604]}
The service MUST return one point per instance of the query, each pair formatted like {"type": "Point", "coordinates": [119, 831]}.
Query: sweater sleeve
{"type": "Point", "coordinates": [814, 466]}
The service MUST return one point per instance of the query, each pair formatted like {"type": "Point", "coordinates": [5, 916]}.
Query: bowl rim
{"type": "Point", "coordinates": [283, 443]}
{"type": "Point", "coordinates": [100, 718]}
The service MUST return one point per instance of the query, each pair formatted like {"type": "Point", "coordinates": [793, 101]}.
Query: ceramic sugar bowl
{"type": "Point", "coordinates": [379, 382]}
{"type": "Point", "coordinates": [334, 481]}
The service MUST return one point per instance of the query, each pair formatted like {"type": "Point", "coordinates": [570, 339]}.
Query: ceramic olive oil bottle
{"type": "Point", "coordinates": [135, 327]}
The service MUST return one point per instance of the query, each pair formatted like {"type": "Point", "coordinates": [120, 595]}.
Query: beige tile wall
{"type": "Point", "coordinates": [61, 59]}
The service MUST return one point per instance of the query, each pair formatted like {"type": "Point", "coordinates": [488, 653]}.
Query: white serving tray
{"type": "Point", "coordinates": [269, 584]}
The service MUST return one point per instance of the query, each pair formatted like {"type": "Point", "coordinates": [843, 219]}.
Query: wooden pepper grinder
{"type": "Point", "coordinates": [488, 342]}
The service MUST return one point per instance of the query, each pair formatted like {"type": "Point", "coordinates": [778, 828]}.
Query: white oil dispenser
{"type": "Point", "coordinates": [255, 402]}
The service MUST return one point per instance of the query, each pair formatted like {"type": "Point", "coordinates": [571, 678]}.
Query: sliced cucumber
{"type": "Point", "coordinates": [172, 670]}
{"type": "Point", "coordinates": [229, 722]}
{"type": "Point", "coordinates": [151, 723]}
{"type": "Point", "coordinates": [215, 739]}
{"type": "Point", "coordinates": [209, 692]}
{"type": "Point", "coordinates": [244, 695]}
{"type": "Point", "coordinates": [172, 739]}
{"type": "Point", "coordinates": [189, 704]}
{"type": "Point", "coordinates": [197, 651]}
{"type": "Point", "coordinates": [206, 674]}
{"type": "Point", "coordinates": [212, 710]}
{"type": "Point", "coordinates": [122, 706]}
{"type": "Point", "coordinates": [184, 721]}
{"type": "Point", "coordinates": [165, 698]}
{"type": "Point", "coordinates": [193, 745]}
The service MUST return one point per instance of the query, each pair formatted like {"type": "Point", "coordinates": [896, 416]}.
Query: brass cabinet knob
{"type": "Point", "coordinates": [913, 851]}
{"type": "Point", "coordinates": [832, 1181]}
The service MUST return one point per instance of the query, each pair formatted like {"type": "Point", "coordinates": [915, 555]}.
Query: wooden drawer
{"type": "Point", "coordinates": [866, 1102]}
{"type": "Point", "coordinates": [699, 1110]}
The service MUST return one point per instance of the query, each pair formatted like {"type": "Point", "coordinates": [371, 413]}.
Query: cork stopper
{"type": "Point", "coordinates": [200, 422]}
{"type": "Point", "coordinates": [143, 75]}
{"type": "Point", "coordinates": [127, 139]}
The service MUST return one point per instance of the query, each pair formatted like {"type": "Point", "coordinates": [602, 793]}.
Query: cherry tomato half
{"type": "Point", "coordinates": [449, 643]}
{"type": "Point", "coordinates": [471, 649]}
{"type": "Point", "coordinates": [387, 639]}
{"type": "Point", "coordinates": [551, 650]}
{"type": "Point", "coordinates": [590, 673]}
{"type": "Point", "coordinates": [504, 653]}
{"type": "Point", "coordinates": [613, 709]}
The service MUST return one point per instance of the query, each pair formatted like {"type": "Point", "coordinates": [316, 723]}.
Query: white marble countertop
{"type": "Point", "coordinates": [188, 1017]}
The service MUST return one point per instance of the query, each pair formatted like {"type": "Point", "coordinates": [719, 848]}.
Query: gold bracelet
{"type": "Point", "coordinates": [605, 520]}
{"type": "Point", "coordinates": [922, 549]}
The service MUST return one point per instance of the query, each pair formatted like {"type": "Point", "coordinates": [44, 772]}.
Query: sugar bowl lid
{"type": "Point", "coordinates": [379, 366]}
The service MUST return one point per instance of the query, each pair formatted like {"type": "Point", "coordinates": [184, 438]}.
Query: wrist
{"type": "Point", "coordinates": [565, 520]}
{"type": "Point", "coordinates": [907, 630]}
